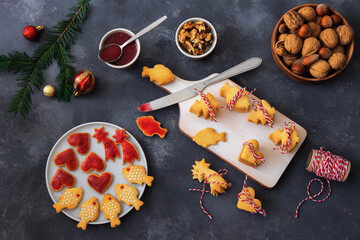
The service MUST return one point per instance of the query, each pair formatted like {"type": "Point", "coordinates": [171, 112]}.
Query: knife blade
{"type": "Point", "coordinates": [190, 92]}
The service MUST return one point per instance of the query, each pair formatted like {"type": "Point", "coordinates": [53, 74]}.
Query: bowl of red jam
{"type": "Point", "coordinates": [130, 53]}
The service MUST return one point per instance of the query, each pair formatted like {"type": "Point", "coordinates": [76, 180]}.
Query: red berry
{"type": "Point", "coordinates": [32, 33]}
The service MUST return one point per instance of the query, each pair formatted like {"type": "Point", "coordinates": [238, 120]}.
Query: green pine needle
{"type": "Point", "coordinates": [30, 68]}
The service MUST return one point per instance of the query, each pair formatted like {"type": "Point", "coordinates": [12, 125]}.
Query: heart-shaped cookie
{"type": "Point", "coordinates": [81, 141]}
{"type": "Point", "coordinates": [246, 155]}
{"type": "Point", "coordinates": [92, 161]}
{"type": "Point", "coordinates": [247, 206]}
{"type": "Point", "coordinates": [67, 158]}
{"type": "Point", "coordinates": [100, 183]}
{"type": "Point", "coordinates": [60, 179]}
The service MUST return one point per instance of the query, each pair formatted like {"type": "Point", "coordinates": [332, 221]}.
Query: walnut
{"type": "Point", "coordinates": [289, 59]}
{"type": "Point", "coordinates": [320, 69]}
{"type": "Point", "coordinates": [307, 13]}
{"type": "Point", "coordinates": [329, 38]}
{"type": "Point", "coordinates": [280, 48]}
{"type": "Point", "coordinates": [195, 37]}
{"type": "Point", "coordinates": [282, 37]}
{"type": "Point", "coordinates": [183, 35]}
{"type": "Point", "coordinates": [337, 61]}
{"type": "Point", "coordinates": [338, 49]}
{"type": "Point", "coordinates": [318, 20]}
{"type": "Point", "coordinates": [293, 43]}
{"type": "Point", "coordinates": [345, 33]}
{"type": "Point", "coordinates": [293, 20]}
{"type": "Point", "coordinates": [311, 45]}
{"type": "Point", "coordinates": [315, 29]}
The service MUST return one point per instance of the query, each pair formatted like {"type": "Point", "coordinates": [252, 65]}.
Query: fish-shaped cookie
{"type": "Point", "coordinates": [136, 174]}
{"type": "Point", "coordinates": [70, 199]}
{"type": "Point", "coordinates": [128, 195]}
{"type": "Point", "coordinates": [208, 136]}
{"type": "Point", "coordinates": [111, 208]}
{"type": "Point", "coordinates": [89, 212]}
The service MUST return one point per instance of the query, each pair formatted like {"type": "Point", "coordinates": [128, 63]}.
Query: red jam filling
{"type": "Point", "coordinates": [129, 51]}
{"type": "Point", "coordinates": [62, 178]}
{"type": "Point", "coordinates": [149, 126]}
{"type": "Point", "coordinates": [92, 161]}
{"type": "Point", "coordinates": [80, 140]}
{"type": "Point", "coordinates": [67, 158]}
{"type": "Point", "coordinates": [110, 53]}
{"type": "Point", "coordinates": [128, 149]}
{"type": "Point", "coordinates": [100, 183]}
{"type": "Point", "coordinates": [111, 150]}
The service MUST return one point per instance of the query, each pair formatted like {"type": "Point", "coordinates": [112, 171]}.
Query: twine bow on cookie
{"type": "Point", "coordinates": [239, 94]}
{"type": "Point", "coordinates": [248, 199]}
{"type": "Point", "coordinates": [256, 157]}
{"type": "Point", "coordinates": [258, 106]}
{"type": "Point", "coordinates": [221, 172]}
{"type": "Point", "coordinates": [288, 127]}
{"type": "Point", "coordinates": [206, 100]}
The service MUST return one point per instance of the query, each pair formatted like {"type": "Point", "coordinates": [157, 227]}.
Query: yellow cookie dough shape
{"type": "Point", "coordinates": [201, 170]}
{"type": "Point", "coordinates": [89, 212]}
{"type": "Point", "coordinates": [279, 135]}
{"type": "Point", "coordinates": [128, 195]}
{"type": "Point", "coordinates": [70, 199]}
{"type": "Point", "coordinates": [208, 136]}
{"type": "Point", "coordinates": [247, 206]}
{"type": "Point", "coordinates": [242, 104]}
{"type": "Point", "coordinates": [111, 209]}
{"type": "Point", "coordinates": [258, 115]}
{"type": "Point", "coordinates": [200, 107]}
{"type": "Point", "coordinates": [246, 156]}
{"type": "Point", "coordinates": [159, 74]}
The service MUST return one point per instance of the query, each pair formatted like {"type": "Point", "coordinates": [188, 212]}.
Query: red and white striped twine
{"type": "Point", "coordinates": [248, 199]}
{"type": "Point", "coordinates": [258, 106]}
{"type": "Point", "coordinates": [252, 150]}
{"type": "Point", "coordinates": [239, 94]}
{"type": "Point", "coordinates": [221, 172]}
{"type": "Point", "coordinates": [206, 100]}
{"type": "Point", "coordinates": [329, 166]}
{"type": "Point", "coordinates": [287, 127]}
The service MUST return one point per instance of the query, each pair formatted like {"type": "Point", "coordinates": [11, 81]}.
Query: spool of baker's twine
{"type": "Point", "coordinates": [325, 164]}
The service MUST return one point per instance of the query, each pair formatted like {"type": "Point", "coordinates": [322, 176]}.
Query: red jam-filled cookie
{"type": "Point", "coordinates": [129, 151]}
{"type": "Point", "coordinates": [100, 183]}
{"type": "Point", "coordinates": [149, 126]}
{"type": "Point", "coordinates": [81, 141]}
{"type": "Point", "coordinates": [111, 150]}
{"type": "Point", "coordinates": [92, 161]}
{"type": "Point", "coordinates": [67, 158]}
{"type": "Point", "coordinates": [62, 178]}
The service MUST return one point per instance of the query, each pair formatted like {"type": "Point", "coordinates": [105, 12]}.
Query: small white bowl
{"type": "Point", "coordinates": [137, 45]}
{"type": "Point", "coordinates": [196, 19]}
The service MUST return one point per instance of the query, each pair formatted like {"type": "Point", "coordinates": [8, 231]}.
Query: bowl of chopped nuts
{"type": "Point", "coordinates": [196, 38]}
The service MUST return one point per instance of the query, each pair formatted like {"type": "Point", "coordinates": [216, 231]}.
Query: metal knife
{"type": "Point", "coordinates": [190, 92]}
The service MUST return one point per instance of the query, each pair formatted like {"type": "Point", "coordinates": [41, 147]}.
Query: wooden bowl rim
{"type": "Point", "coordinates": [279, 63]}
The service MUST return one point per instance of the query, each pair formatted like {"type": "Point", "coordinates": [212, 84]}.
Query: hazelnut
{"type": "Point", "coordinates": [293, 20]}
{"type": "Point", "coordinates": [315, 29]}
{"type": "Point", "coordinates": [337, 61]}
{"type": "Point", "coordinates": [293, 43]}
{"type": "Point", "coordinates": [329, 38]}
{"type": "Point", "coordinates": [322, 9]}
{"type": "Point", "coordinates": [310, 60]}
{"type": "Point", "coordinates": [298, 67]}
{"type": "Point", "coordinates": [283, 28]}
{"type": "Point", "coordinates": [304, 31]}
{"type": "Point", "coordinates": [307, 13]}
{"type": "Point", "coordinates": [311, 45]}
{"type": "Point", "coordinates": [345, 33]}
{"type": "Point", "coordinates": [320, 69]}
{"type": "Point", "coordinates": [338, 49]}
{"type": "Point", "coordinates": [282, 37]}
{"type": "Point", "coordinates": [289, 59]}
{"type": "Point", "coordinates": [326, 22]}
{"type": "Point", "coordinates": [335, 19]}
{"type": "Point", "coordinates": [325, 53]}
{"type": "Point", "coordinates": [280, 48]}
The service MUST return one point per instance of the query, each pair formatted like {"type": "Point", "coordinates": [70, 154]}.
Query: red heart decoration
{"type": "Point", "coordinates": [92, 161]}
{"type": "Point", "coordinates": [67, 158]}
{"type": "Point", "coordinates": [62, 178]}
{"type": "Point", "coordinates": [81, 141]}
{"type": "Point", "coordinates": [100, 183]}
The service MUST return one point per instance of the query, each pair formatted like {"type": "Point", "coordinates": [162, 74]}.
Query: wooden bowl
{"type": "Point", "coordinates": [307, 78]}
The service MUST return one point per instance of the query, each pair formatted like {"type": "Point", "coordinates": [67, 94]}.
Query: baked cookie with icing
{"type": "Point", "coordinates": [136, 174]}
{"type": "Point", "coordinates": [89, 212]}
{"type": "Point", "coordinates": [70, 199]}
{"type": "Point", "coordinates": [111, 209]}
{"type": "Point", "coordinates": [128, 195]}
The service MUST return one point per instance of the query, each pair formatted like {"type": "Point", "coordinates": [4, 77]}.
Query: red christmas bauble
{"type": "Point", "coordinates": [32, 33]}
{"type": "Point", "coordinates": [84, 82]}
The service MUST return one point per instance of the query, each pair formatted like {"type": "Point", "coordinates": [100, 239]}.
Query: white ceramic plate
{"type": "Point", "coordinates": [114, 168]}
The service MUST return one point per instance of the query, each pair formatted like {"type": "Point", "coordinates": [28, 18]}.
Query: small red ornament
{"type": "Point", "coordinates": [32, 33]}
{"type": "Point", "coordinates": [84, 82]}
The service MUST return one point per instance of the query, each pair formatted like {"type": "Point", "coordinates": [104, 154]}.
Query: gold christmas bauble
{"type": "Point", "coordinates": [49, 90]}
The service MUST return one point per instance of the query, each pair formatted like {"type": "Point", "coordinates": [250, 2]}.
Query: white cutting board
{"type": "Point", "coordinates": [238, 130]}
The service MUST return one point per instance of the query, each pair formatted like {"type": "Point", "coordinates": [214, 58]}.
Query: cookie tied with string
{"type": "Point", "coordinates": [201, 108]}
{"type": "Point", "coordinates": [263, 113]}
{"type": "Point", "coordinates": [288, 137]}
{"type": "Point", "coordinates": [250, 155]}
{"type": "Point", "coordinates": [242, 104]}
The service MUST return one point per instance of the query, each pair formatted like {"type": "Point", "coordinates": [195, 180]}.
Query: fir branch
{"type": "Point", "coordinates": [56, 47]}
